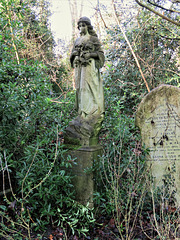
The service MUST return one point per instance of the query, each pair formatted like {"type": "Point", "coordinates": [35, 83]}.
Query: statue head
{"type": "Point", "coordinates": [84, 19]}
{"type": "Point", "coordinates": [87, 21]}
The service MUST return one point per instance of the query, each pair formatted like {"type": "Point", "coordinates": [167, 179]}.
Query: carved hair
{"type": "Point", "coordinates": [87, 21]}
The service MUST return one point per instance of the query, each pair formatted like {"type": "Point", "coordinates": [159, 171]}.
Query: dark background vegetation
{"type": "Point", "coordinates": [36, 104]}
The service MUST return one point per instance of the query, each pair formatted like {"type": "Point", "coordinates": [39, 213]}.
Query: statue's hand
{"type": "Point", "coordinates": [75, 53]}
{"type": "Point", "coordinates": [90, 55]}
{"type": "Point", "coordinates": [87, 56]}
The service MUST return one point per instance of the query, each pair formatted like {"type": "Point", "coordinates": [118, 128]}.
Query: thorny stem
{"type": "Point", "coordinates": [154, 213]}
{"type": "Point", "coordinates": [21, 218]}
{"type": "Point", "coordinates": [4, 192]}
{"type": "Point", "coordinates": [49, 172]}
{"type": "Point", "coordinates": [10, 220]}
{"type": "Point", "coordinates": [3, 170]}
{"type": "Point", "coordinates": [5, 235]}
{"type": "Point", "coordinates": [22, 188]}
{"type": "Point", "coordinates": [139, 204]}
{"type": "Point", "coordinates": [12, 34]}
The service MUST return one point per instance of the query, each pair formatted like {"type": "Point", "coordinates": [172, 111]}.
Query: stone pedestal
{"type": "Point", "coordinates": [158, 118]}
{"type": "Point", "coordinates": [84, 131]}
{"type": "Point", "coordinates": [82, 172]}
{"type": "Point", "coordinates": [83, 134]}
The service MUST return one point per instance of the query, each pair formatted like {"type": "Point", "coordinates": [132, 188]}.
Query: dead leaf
{"type": "Point", "coordinates": [134, 194]}
{"type": "Point", "coordinates": [50, 237]}
{"type": "Point", "coordinates": [112, 223]}
{"type": "Point", "coordinates": [75, 238]}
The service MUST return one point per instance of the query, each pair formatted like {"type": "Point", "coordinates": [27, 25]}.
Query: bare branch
{"type": "Point", "coordinates": [175, 39]}
{"type": "Point", "coordinates": [100, 14]}
{"type": "Point", "coordinates": [156, 5]}
{"type": "Point", "coordinates": [157, 13]}
{"type": "Point", "coordinates": [131, 49]}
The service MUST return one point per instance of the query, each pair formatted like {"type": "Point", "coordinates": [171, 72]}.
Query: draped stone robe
{"type": "Point", "coordinates": [88, 83]}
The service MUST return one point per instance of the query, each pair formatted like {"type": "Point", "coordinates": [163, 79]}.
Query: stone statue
{"type": "Point", "coordinates": [87, 58]}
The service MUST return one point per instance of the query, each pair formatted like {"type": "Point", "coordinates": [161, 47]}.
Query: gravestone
{"type": "Point", "coordinates": [158, 118]}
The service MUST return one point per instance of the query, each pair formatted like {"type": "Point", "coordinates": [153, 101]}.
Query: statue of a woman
{"type": "Point", "coordinates": [87, 58]}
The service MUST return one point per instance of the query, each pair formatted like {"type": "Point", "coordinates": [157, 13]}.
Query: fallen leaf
{"type": "Point", "coordinates": [50, 237]}
{"type": "Point", "coordinates": [112, 223]}
{"type": "Point", "coordinates": [134, 194]}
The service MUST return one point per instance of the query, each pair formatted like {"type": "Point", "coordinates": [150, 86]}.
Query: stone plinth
{"type": "Point", "coordinates": [84, 131]}
{"type": "Point", "coordinates": [158, 118]}
{"type": "Point", "coordinates": [82, 172]}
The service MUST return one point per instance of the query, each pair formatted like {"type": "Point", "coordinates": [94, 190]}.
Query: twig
{"type": "Point", "coordinates": [22, 188]}
{"type": "Point", "coordinates": [154, 213]}
{"type": "Point", "coordinates": [100, 14]}
{"type": "Point", "coordinates": [49, 172]}
{"type": "Point", "coordinates": [131, 49]}
{"type": "Point", "coordinates": [12, 34]}
{"type": "Point", "coordinates": [156, 5]}
{"type": "Point", "coordinates": [157, 13]}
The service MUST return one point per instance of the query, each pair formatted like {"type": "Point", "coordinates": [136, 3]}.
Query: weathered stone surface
{"type": "Point", "coordinates": [84, 132]}
{"type": "Point", "coordinates": [87, 57]}
{"type": "Point", "coordinates": [158, 118]}
{"type": "Point", "coordinates": [83, 174]}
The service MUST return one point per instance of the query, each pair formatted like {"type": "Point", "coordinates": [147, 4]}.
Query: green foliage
{"type": "Point", "coordinates": [156, 47]}
{"type": "Point", "coordinates": [36, 103]}
{"type": "Point", "coordinates": [32, 121]}
{"type": "Point", "coordinates": [122, 170]}
{"type": "Point", "coordinates": [78, 217]}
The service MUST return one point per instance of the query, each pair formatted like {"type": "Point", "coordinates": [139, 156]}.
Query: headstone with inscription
{"type": "Point", "coordinates": [158, 118]}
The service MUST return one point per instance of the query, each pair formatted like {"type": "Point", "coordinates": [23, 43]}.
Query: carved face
{"type": "Point", "coordinates": [83, 29]}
